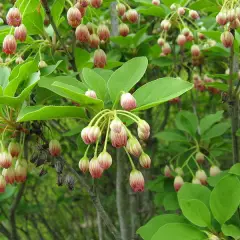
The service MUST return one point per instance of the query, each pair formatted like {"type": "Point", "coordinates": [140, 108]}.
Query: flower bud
{"type": "Point", "coordinates": [19, 60]}
{"type": "Point", "coordinates": [181, 40]}
{"type": "Point", "coordinates": [91, 94]}
{"type": "Point", "coordinates": [42, 64]}
{"type": "Point", "coordinates": [201, 35]}
{"type": "Point", "coordinates": [105, 160]}
{"type": "Point", "coordinates": [70, 182]}
{"type": "Point", "coordinates": [134, 147]}
{"type": "Point", "coordinates": [84, 164]}
{"type": "Point", "coordinates": [96, 3]}
{"type": "Point", "coordinates": [227, 39]}
{"type": "Point", "coordinates": [103, 32]}
{"type": "Point", "coordinates": [166, 49]}
{"type": "Point", "coordinates": [9, 175]}
{"type": "Point", "coordinates": [14, 17]}
{"type": "Point", "coordinates": [221, 18]}
{"type": "Point", "coordinates": [84, 3]}
{"type": "Point", "coordinates": [214, 170]}
{"type": "Point", "coordinates": [100, 58]}
{"type": "Point", "coordinates": [85, 135]}
{"type": "Point", "coordinates": [196, 181]}
{"type": "Point", "coordinates": [165, 25]}
{"type": "Point", "coordinates": [119, 139]}
{"type": "Point", "coordinates": [173, 7]}
{"type": "Point", "coordinates": [179, 171]}
{"type": "Point", "coordinates": [178, 182]}
{"type": "Point", "coordinates": [193, 14]}
{"type": "Point", "coordinates": [9, 44]}
{"type": "Point", "coordinates": [185, 31]}
{"type": "Point", "coordinates": [2, 184]}
{"type": "Point", "coordinates": [175, 100]}
{"type": "Point", "coordinates": [90, 27]}
{"type": "Point", "coordinates": [195, 50]}
{"type": "Point", "coordinates": [5, 160]}
{"type": "Point", "coordinates": [94, 41]}
{"type": "Point", "coordinates": [231, 15]}
{"type": "Point", "coordinates": [123, 29]}
{"type": "Point", "coordinates": [143, 130]}
{"type": "Point", "coordinates": [128, 102]}
{"type": "Point", "coordinates": [202, 176]}
{"type": "Point", "coordinates": [132, 15]}
{"type": "Point", "coordinates": [94, 133]}
{"type": "Point", "coordinates": [14, 149]}
{"type": "Point", "coordinates": [55, 148]}
{"type": "Point", "coordinates": [145, 160]}
{"type": "Point", "coordinates": [190, 37]}
{"type": "Point", "coordinates": [121, 9]}
{"type": "Point", "coordinates": [235, 24]}
{"type": "Point", "coordinates": [82, 33]}
{"type": "Point", "coordinates": [116, 125]}
{"type": "Point", "coordinates": [167, 172]}
{"type": "Point", "coordinates": [181, 11]}
{"type": "Point", "coordinates": [20, 33]}
{"type": "Point", "coordinates": [136, 181]}
{"type": "Point", "coordinates": [161, 42]}
{"type": "Point", "coordinates": [74, 17]}
{"type": "Point", "coordinates": [199, 157]}
{"type": "Point", "coordinates": [156, 2]}
{"type": "Point", "coordinates": [95, 169]}
{"type": "Point", "coordinates": [21, 171]}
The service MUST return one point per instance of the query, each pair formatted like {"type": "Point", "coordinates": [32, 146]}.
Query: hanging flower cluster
{"type": "Point", "coordinates": [108, 126]}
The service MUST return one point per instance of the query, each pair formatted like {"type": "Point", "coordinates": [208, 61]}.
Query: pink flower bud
{"type": "Point", "coordinates": [161, 42]}
{"type": "Point", "coordinates": [91, 94]}
{"type": "Point", "coordinates": [136, 181]}
{"type": "Point", "coordinates": [5, 160]}
{"type": "Point", "coordinates": [84, 3]}
{"type": "Point", "coordinates": [181, 11]}
{"type": "Point", "coordinates": [165, 25]}
{"type": "Point", "coordinates": [178, 182]}
{"type": "Point", "coordinates": [2, 184]}
{"type": "Point", "coordinates": [42, 64]}
{"type": "Point", "coordinates": [231, 15]}
{"type": "Point", "coordinates": [235, 24]}
{"type": "Point", "coordinates": [156, 2]}
{"type": "Point", "coordinates": [21, 171]}
{"type": "Point", "coordinates": [85, 135]}
{"type": "Point", "coordinates": [143, 130]}
{"type": "Point", "coordinates": [190, 37]}
{"type": "Point", "coordinates": [116, 125]}
{"type": "Point", "coordinates": [20, 33]}
{"type": "Point", "coordinates": [181, 40]}
{"type": "Point", "coordinates": [227, 39]}
{"type": "Point", "coordinates": [134, 147]}
{"type": "Point", "coordinates": [96, 3]}
{"type": "Point", "coordinates": [221, 18]}
{"type": "Point", "coordinates": [82, 11]}
{"type": "Point", "coordinates": [119, 139]}
{"type": "Point", "coordinates": [74, 17]}
{"type": "Point", "coordinates": [82, 33]}
{"type": "Point", "coordinates": [201, 35]}
{"type": "Point", "coordinates": [100, 58]}
{"type": "Point", "coordinates": [55, 148]}
{"type": "Point", "coordinates": [103, 32]}
{"type": "Point", "coordinates": [9, 44]}
{"type": "Point", "coordinates": [167, 172]}
{"type": "Point", "coordinates": [185, 32]}
{"type": "Point", "coordinates": [179, 171]}
{"type": "Point", "coordinates": [195, 50]}
{"type": "Point", "coordinates": [19, 60]}
{"type": "Point", "coordinates": [128, 102]}
{"type": "Point", "coordinates": [214, 170]}
{"type": "Point", "coordinates": [193, 14]}
{"type": "Point", "coordinates": [94, 133]}
{"type": "Point", "coordinates": [121, 9]}
{"type": "Point", "coordinates": [14, 17]}
{"type": "Point", "coordinates": [132, 15]}
{"type": "Point", "coordinates": [105, 160]}
{"type": "Point", "coordinates": [90, 27]}
{"type": "Point", "coordinates": [84, 164]}
{"type": "Point", "coordinates": [145, 160]}
{"type": "Point", "coordinates": [123, 29]}
{"type": "Point", "coordinates": [9, 175]}
{"type": "Point", "coordinates": [202, 176]}
{"type": "Point", "coordinates": [199, 85]}
{"type": "Point", "coordinates": [199, 157]}
{"type": "Point", "coordinates": [94, 41]}
{"type": "Point", "coordinates": [196, 181]}
{"type": "Point", "coordinates": [166, 49]}
{"type": "Point", "coordinates": [14, 149]}
{"type": "Point", "coordinates": [95, 169]}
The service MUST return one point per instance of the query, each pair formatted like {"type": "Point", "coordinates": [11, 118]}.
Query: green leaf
{"type": "Point", "coordinates": [218, 85]}
{"type": "Point", "coordinates": [178, 231]}
{"type": "Point", "coordinates": [151, 227]}
{"type": "Point", "coordinates": [187, 121]}
{"type": "Point", "coordinates": [50, 112]}
{"type": "Point", "coordinates": [95, 82]}
{"type": "Point", "coordinates": [9, 191]}
{"type": "Point", "coordinates": [50, 69]}
{"type": "Point", "coordinates": [231, 231]}
{"type": "Point", "coordinates": [202, 4]}
{"type": "Point", "coordinates": [34, 23]}
{"type": "Point", "coordinates": [196, 212]}
{"type": "Point", "coordinates": [74, 93]}
{"type": "Point", "coordinates": [162, 61]}
{"type": "Point", "coordinates": [214, 180]}
{"type": "Point", "coordinates": [124, 78]}
{"type": "Point", "coordinates": [225, 198]}
{"type": "Point", "coordinates": [4, 75]}
{"type": "Point", "coordinates": [159, 91]}
{"type": "Point", "coordinates": [104, 73]}
{"type": "Point", "coordinates": [81, 58]}
{"type": "Point", "coordinates": [209, 120]}
{"type": "Point", "coordinates": [171, 136]}
{"type": "Point", "coordinates": [170, 201]}
{"type": "Point", "coordinates": [27, 6]}
{"type": "Point", "coordinates": [57, 9]}
{"type": "Point", "coordinates": [216, 131]}
{"type": "Point", "coordinates": [156, 11]}
{"type": "Point", "coordinates": [235, 169]}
